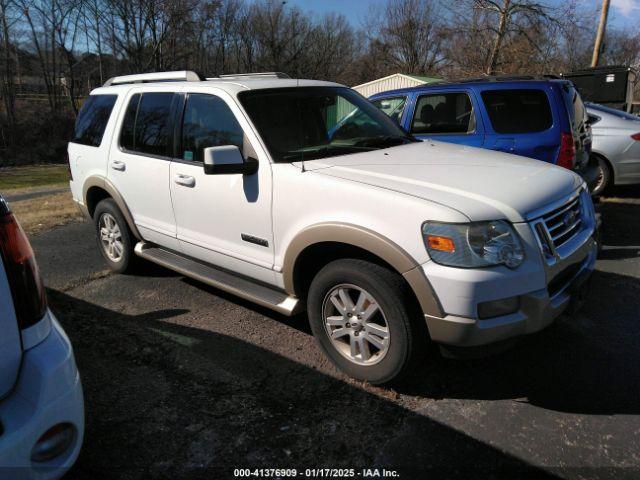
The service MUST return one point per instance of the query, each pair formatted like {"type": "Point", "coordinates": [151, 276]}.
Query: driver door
{"type": "Point", "coordinates": [448, 117]}
{"type": "Point", "coordinates": [222, 219]}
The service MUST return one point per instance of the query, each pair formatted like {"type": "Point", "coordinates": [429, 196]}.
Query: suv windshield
{"type": "Point", "coordinates": [307, 123]}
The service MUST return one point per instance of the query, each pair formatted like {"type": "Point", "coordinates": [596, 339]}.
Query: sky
{"type": "Point", "coordinates": [622, 14]}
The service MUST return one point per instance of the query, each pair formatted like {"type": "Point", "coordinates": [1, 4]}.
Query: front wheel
{"type": "Point", "coordinates": [364, 319]}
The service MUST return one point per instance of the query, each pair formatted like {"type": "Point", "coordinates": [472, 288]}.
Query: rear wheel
{"type": "Point", "coordinates": [364, 319]}
{"type": "Point", "coordinates": [115, 240]}
{"type": "Point", "coordinates": [603, 180]}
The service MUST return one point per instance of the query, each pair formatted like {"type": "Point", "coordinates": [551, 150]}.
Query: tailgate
{"type": "Point", "coordinates": [10, 343]}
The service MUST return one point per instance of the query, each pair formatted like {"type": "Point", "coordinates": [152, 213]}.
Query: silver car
{"type": "Point", "coordinates": [616, 145]}
{"type": "Point", "coordinates": [41, 401]}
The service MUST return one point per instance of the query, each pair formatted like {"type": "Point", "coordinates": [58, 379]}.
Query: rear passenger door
{"type": "Point", "coordinates": [140, 161]}
{"type": "Point", "coordinates": [448, 117]}
{"type": "Point", "coordinates": [521, 121]}
{"type": "Point", "coordinates": [222, 219]}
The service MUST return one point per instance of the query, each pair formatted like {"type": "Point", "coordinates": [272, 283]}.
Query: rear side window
{"type": "Point", "coordinates": [148, 127]}
{"type": "Point", "coordinates": [579, 112]}
{"type": "Point", "coordinates": [92, 119]}
{"type": "Point", "coordinates": [208, 122]}
{"type": "Point", "coordinates": [443, 113]}
{"type": "Point", "coordinates": [518, 111]}
{"type": "Point", "coordinates": [393, 106]}
{"type": "Point", "coordinates": [128, 125]}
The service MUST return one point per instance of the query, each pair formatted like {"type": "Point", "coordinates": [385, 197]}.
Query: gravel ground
{"type": "Point", "coordinates": [184, 381]}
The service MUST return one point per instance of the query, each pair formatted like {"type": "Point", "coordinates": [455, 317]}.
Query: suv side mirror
{"type": "Point", "coordinates": [227, 159]}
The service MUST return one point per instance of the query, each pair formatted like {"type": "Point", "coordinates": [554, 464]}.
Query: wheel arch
{"type": "Point", "coordinates": [609, 164]}
{"type": "Point", "coordinates": [319, 244]}
{"type": "Point", "coordinates": [98, 188]}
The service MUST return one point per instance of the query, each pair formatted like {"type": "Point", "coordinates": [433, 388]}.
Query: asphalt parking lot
{"type": "Point", "coordinates": [184, 381]}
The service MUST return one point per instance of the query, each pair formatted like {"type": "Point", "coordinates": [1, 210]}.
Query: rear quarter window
{"type": "Point", "coordinates": [576, 108]}
{"type": "Point", "coordinates": [518, 111]}
{"type": "Point", "coordinates": [92, 119]}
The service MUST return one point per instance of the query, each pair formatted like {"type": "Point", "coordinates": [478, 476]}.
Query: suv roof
{"type": "Point", "coordinates": [509, 81]}
{"type": "Point", "coordinates": [231, 83]}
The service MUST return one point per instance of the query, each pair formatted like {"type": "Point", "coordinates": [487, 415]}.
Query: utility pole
{"type": "Point", "coordinates": [600, 36]}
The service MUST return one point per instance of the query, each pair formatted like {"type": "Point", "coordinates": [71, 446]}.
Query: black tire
{"type": "Point", "coordinates": [407, 332]}
{"type": "Point", "coordinates": [604, 177]}
{"type": "Point", "coordinates": [127, 260]}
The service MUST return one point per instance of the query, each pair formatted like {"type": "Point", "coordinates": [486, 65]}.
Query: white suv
{"type": "Point", "coordinates": [41, 402]}
{"type": "Point", "coordinates": [301, 195]}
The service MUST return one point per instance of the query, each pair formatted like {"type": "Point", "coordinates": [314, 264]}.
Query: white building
{"type": "Point", "coordinates": [392, 82]}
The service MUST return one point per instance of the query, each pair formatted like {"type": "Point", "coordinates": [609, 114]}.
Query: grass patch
{"type": "Point", "coordinates": [12, 178]}
{"type": "Point", "coordinates": [41, 214]}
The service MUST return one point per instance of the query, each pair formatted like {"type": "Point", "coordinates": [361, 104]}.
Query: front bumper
{"type": "Point", "coordinates": [460, 292]}
{"type": "Point", "coordinates": [48, 392]}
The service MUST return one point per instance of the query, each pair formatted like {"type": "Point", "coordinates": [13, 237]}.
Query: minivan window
{"type": "Point", "coordinates": [579, 112]}
{"type": "Point", "coordinates": [92, 119]}
{"type": "Point", "coordinates": [393, 106]}
{"type": "Point", "coordinates": [307, 123]}
{"type": "Point", "coordinates": [518, 111]}
{"type": "Point", "coordinates": [208, 122]}
{"type": "Point", "coordinates": [443, 113]}
{"type": "Point", "coordinates": [147, 126]}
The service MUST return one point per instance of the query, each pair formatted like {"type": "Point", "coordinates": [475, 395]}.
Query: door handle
{"type": "Point", "coordinates": [185, 180]}
{"type": "Point", "coordinates": [117, 165]}
{"type": "Point", "coordinates": [507, 145]}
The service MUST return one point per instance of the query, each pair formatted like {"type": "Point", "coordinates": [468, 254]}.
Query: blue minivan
{"type": "Point", "coordinates": [537, 117]}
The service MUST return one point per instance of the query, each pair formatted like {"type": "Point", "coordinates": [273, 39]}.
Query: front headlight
{"type": "Point", "coordinates": [472, 245]}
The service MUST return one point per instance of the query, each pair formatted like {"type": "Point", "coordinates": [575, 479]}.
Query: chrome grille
{"type": "Point", "coordinates": [563, 223]}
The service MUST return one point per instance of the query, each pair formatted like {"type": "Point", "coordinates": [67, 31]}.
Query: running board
{"type": "Point", "coordinates": [242, 287]}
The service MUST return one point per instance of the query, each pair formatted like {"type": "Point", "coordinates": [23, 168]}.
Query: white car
{"type": "Point", "coordinates": [616, 145]}
{"type": "Point", "coordinates": [41, 402]}
{"type": "Point", "coordinates": [255, 185]}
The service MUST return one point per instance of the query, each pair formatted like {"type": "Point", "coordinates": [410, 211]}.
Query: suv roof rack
{"type": "Point", "coordinates": [250, 75]}
{"type": "Point", "coordinates": [506, 78]}
{"type": "Point", "coordinates": [177, 76]}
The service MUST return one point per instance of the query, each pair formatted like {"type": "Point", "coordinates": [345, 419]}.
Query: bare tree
{"type": "Point", "coordinates": [507, 13]}
{"type": "Point", "coordinates": [622, 47]}
{"type": "Point", "coordinates": [8, 88]}
{"type": "Point", "coordinates": [408, 36]}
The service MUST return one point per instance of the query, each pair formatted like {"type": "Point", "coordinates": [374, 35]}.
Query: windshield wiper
{"type": "Point", "coordinates": [323, 152]}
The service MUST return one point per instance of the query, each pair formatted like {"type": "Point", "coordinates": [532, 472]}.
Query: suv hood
{"type": "Point", "coordinates": [481, 184]}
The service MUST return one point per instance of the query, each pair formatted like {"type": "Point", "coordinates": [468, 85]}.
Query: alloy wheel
{"type": "Point", "coordinates": [111, 237]}
{"type": "Point", "coordinates": [356, 324]}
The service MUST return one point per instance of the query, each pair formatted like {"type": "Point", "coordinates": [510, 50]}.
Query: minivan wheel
{"type": "Point", "coordinates": [603, 179]}
{"type": "Point", "coordinates": [364, 319]}
{"type": "Point", "coordinates": [115, 240]}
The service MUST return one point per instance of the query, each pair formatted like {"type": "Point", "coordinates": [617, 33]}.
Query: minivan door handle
{"type": "Point", "coordinates": [507, 145]}
{"type": "Point", "coordinates": [117, 165]}
{"type": "Point", "coordinates": [185, 180]}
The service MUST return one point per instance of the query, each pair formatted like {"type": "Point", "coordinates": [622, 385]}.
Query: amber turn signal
{"type": "Point", "coordinates": [444, 244]}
